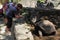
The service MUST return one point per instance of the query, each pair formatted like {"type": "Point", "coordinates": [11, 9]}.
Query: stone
{"type": "Point", "coordinates": [22, 32]}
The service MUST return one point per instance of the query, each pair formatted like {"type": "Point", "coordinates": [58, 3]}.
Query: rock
{"type": "Point", "coordinates": [2, 31]}
{"type": "Point", "coordinates": [47, 27]}
{"type": "Point", "coordinates": [22, 32]}
{"type": "Point", "coordinates": [30, 3]}
{"type": "Point", "coordinates": [3, 35]}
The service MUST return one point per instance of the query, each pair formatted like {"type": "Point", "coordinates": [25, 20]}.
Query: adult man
{"type": "Point", "coordinates": [10, 12]}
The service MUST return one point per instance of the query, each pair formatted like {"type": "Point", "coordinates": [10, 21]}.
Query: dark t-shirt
{"type": "Point", "coordinates": [11, 12]}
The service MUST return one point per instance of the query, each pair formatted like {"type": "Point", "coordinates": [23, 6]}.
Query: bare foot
{"type": "Point", "coordinates": [7, 31]}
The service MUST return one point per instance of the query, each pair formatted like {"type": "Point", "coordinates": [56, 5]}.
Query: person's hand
{"type": "Point", "coordinates": [21, 16]}
{"type": "Point", "coordinates": [5, 20]}
{"type": "Point", "coordinates": [18, 16]}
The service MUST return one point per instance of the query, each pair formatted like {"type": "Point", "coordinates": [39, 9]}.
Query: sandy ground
{"type": "Point", "coordinates": [56, 37]}
{"type": "Point", "coordinates": [12, 37]}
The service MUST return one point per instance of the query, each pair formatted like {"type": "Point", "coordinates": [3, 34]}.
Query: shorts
{"type": "Point", "coordinates": [9, 23]}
